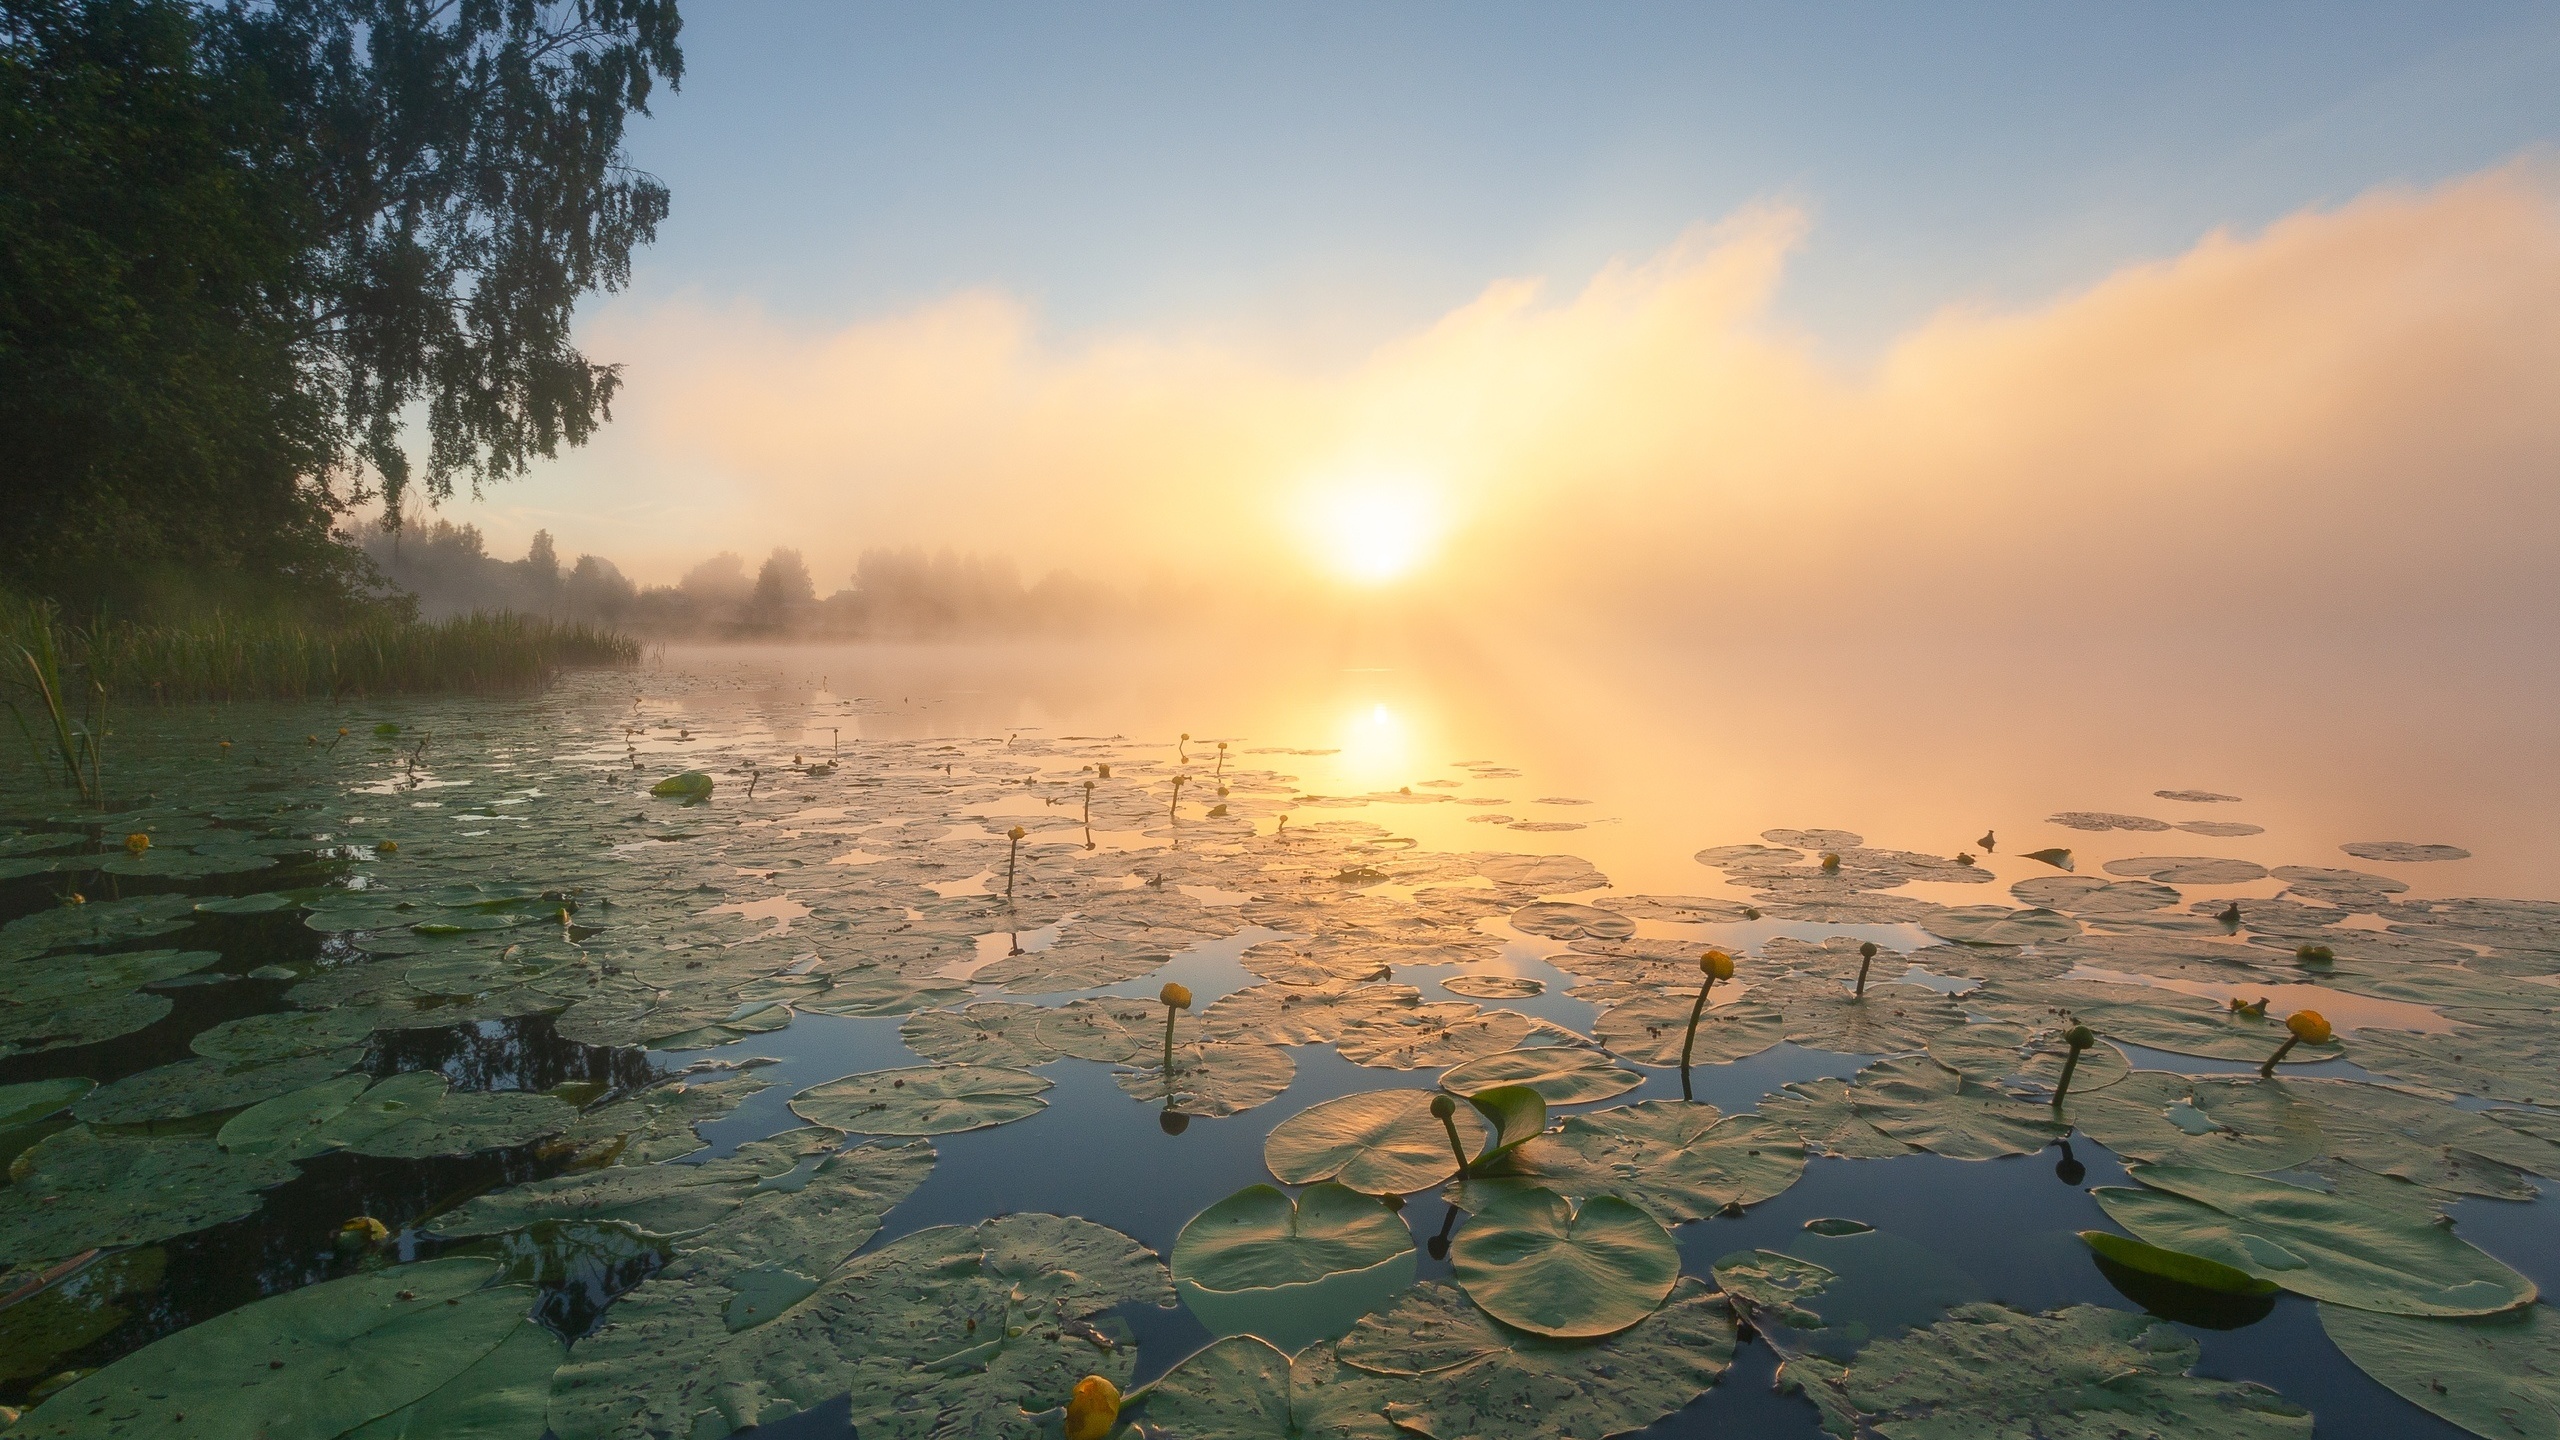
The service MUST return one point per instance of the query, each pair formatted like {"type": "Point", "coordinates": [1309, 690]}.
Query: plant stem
{"type": "Point", "coordinates": [1449, 1122]}
{"type": "Point", "coordinates": [2070, 1062]}
{"type": "Point", "coordinates": [1690, 1042]}
{"type": "Point", "coordinates": [2268, 1070]}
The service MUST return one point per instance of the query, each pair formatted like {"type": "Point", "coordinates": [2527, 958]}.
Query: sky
{"type": "Point", "coordinates": [1223, 290]}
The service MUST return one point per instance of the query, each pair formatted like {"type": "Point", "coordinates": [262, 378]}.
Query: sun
{"type": "Point", "coordinates": [1375, 531]}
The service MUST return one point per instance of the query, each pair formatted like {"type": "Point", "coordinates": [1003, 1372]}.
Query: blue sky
{"type": "Point", "coordinates": [1324, 175]}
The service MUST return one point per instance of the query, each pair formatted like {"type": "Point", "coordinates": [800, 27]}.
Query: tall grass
{"type": "Point", "coordinates": [224, 658]}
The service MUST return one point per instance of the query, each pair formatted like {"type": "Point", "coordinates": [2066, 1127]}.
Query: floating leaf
{"type": "Point", "coordinates": [1456, 1373]}
{"type": "Point", "coordinates": [2059, 858]}
{"type": "Point", "coordinates": [1494, 987]}
{"type": "Point", "coordinates": [1823, 1112]}
{"type": "Point", "coordinates": [1925, 1104]}
{"type": "Point", "coordinates": [80, 1188]}
{"type": "Point", "coordinates": [1557, 920]}
{"type": "Point", "coordinates": [206, 1086]}
{"type": "Point", "coordinates": [663, 1200]}
{"type": "Point", "coordinates": [690, 785]}
{"type": "Point", "coordinates": [1282, 1013]}
{"type": "Point", "coordinates": [1431, 1036]}
{"type": "Point", "coordinates": [1651, 1029]}
{"type": "Point", "coordinates": [1293, 1272]}
{"type": "Point", "coordinates": [1378, 1142]}
{"type": "Point", "coordinates": [2403, 851]}
{"type": "Point", "coordinates": [2240, 1126]}
{"type": "Point", "coordinates": [2360, 1244]}
{"type": "Point", "coordinates": [880, 991]}
{"type": "Point", "coordinates": [1999, 925]}
{"type": "Point", "coordinates": [1991, 1372]}
{"type": "Point", "coordinates": [923, 1100]}
{"type": "Point", "coordinates": [1677, 1160]}
{"type": "Point", "coordinates": [2188, 869]}
{"type": "Point", "coordinates": [1536, 1263]}
{"type": "Point", "coordinates": [1242, 1388]}
{"type": "Point", "coordinates": [1213, 1077]}
{"type": "Point", "coordinates": [2104, 820]}
{"type": "Point", "coordinates": [2496, 1375]}
{"type": "Point", "coordinates": [1564, 1074]}
{"type": "Point", "coordinates": [310, 1364]}
{"type": "Point", "coordinates": [1518, 1115]}
{"type": "Point", "coordinates": [2175, 1265]}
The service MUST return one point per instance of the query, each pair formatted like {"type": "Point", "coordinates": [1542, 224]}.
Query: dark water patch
{"type": "Point", "coordinates": [519, 1053]}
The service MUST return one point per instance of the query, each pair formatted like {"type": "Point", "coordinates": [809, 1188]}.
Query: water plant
{"type": "Point", "coordinates": [1715, 965]}
{"type": "Point", "coordinates": [2076, 1039]}
{"type": "Point", "coordinates": [1093, 1409]}
{"type": "Point", "coordinates": [1866, 957]}
{"type": "Point", "coordinates": [1177, 998]}
{"type": "Point", "coordinates": [1013, 848]}
{"type": "Point", "coordinates": [1445, 1110]}
{"type": "Point", "coordinates": [1174, 810]}
{"type": "Point", "coordinates": [2302, 1026]}
{"type": "Point", "coordinates": [76, 744]}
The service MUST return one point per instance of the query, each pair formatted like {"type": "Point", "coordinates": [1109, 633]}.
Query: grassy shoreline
{"type": "Point", "coordinates": [226, 658]}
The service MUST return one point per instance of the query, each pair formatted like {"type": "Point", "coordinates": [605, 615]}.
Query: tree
{"type": "Point", "coordinates": [241, 241]}
{"type": "Point", "coordinates": [783, 588]}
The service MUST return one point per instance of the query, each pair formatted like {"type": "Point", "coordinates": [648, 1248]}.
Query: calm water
{"type": "Point", "coordinates": [1632, 762]}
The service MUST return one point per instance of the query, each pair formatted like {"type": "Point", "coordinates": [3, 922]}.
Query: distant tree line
{"type": "Point", "coordinates": [892, 593]}
{"type": "Point", "coordinates": [261, 260]}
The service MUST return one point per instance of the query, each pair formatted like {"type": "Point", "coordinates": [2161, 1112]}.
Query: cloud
{"type": "Point", "coordinates": [2350, 418]}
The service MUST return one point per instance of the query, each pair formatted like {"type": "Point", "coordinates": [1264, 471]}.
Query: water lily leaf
{"type": "Point", "coordinates": [2403, 851]}
{"type": "Point", "coordinates": [2391, 1132]}
{"type": "Point", "coordinates": [1242, 1388]}
{"type": "Point", "coordinates": [2492, 1058]}
{"type": "Point", "coordinates": [1108, 1028]}
{"type": "Point", "coordinates": [1825, 1013]}
{"type": "Point", "coordinates": [80, 1187]}
{"type": "Point", "coordinates": [948, 1331]}
{"type": "Point", "coordinates": [206, 1086]}
{"type": "Point", "coordinates": [1291, 1013]}
{"type": "Point", "coordinates": [2240, 1126]}
{"type": "Point", "coordinates": [310, 1364]}
{"type": "Point", "coordinates": [1378, 1142]}
{"type": "Point", "coordinates": [1494, 987]}
{"type": "Point", "coordinates": [1650, 1030]}
{"type": "Point", "coordinates": [1678, 1161]}
{"type": "Point", "coordinates": [1564, 1074]}
{"type": "Point", "coordinates": [2496, 1375]}
{"type": "Point", "coordinates": [1212, 1077]}
{"type": "Point", "coordinates": [1999, 925]}
{"type": "Point", "coordinates": [1835, 1226]}
{"type": "Point", "coordinates": [62, 1025]}
{"type": "Point", "coordinates": [1987, 1372]}
{"type": "Point", "coordinates": [2360, 1244]}
{"type": "Point", "coordinates": [1558, 920]}
{"type": "Point", "coordinates": [1432, 1036]}
{"type": "Point", "coordinates": [690, 785]}
{"type": "Point", "coordinates": [664, 1200]}
{"type": "Point", "coordinates": [1925, 1104]}
{"type": "Point", "coordinates": [1456, 1373]}
{"type": "Point", "coordinates": [1536, 1263]}
{"type": "Point", "coordinates": [99, 922]}
{"type": "Point", "coordinates": [2176, 1265]}
{"type": "Point", "coordinates": [2089, 897]}
{"type": "Point", "coordinates": [1823, 1112]}
{"type": "Point", "coordinates": [658, 1123]}
{"type": "Point", "coordinates": [502, 1396]}
{"type": "Point", "coordinates": [2058, 857]}
{"type": "Point", "coordinates": [1517, 1113]}
{"type": "Point", "coordinates": [2104, 820]}
{"type": "Point", "coordinates": [990, 1032]}
{"type": "Point", "coordinates": [58, 980]}
{"type": "Point", "coordinates": [879, 990]}
{"type": "Point", "coordinates": [1776, 1288]}
{"type": "Point", "coordinates": [792, 1227]}
{"type": "Point", "coordinates": [923, 1100]}
{"type": "Point", "coordinates": [286, 1034]}
{"type": "Point", "coordinates": [2188, 869]}
{"type": "Point", "coordinates": [1293, 1272]}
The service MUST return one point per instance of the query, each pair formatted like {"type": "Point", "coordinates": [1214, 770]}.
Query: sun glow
{"type": "Point", "coordinates": [1373, 532]}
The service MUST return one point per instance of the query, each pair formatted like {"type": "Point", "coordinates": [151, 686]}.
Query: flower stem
{"type": "Point", "coordinates": [2268, 1070]}
{"type": "Point", "coordinates": [1690, 1042]}
{"type": "Point", "coordinates": [1449, 1123]}
{"type": "Point", "coordinates": [2070, 1062]}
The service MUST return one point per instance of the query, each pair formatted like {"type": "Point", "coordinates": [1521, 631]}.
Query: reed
{"type": "Point", "coordinates": [231, 658]}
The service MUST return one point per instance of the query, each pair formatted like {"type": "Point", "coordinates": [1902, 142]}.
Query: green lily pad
{"type": "Point", "coordinates": [2360, 1245]}
{"type": "Point", "coordinates": [880, 991]}
{"type": "Point", "coordinates": [27, 1103]}
{"type": "Point", "coordinates": [952, 1330]}
{"type": "Point", "coordinates": [690, 785]}
{"type": "Point", "coordinates": [1109, 1028]}
{"type": "Point", "coordinates": [1432, 1036]}
{"type": "Point", "coordinates": [1999, 925]}
{"type": "Point", "coordinates": [2188, 869]}
{"type": "Point", "coordinates": [1774, 1288]}
{"type": "Point", "coordinates": [2176, 1265]}
{"type": "Point", "coordinates": [310, 1364]}
{"type": "Point", "coordinates": [80, 1187]}
{"type": "Point", "coordinates": [1651, 1029]}
{"type": "Point", "coordinates": [923, 1100]}
{"type": "Point", "coordinates": [658, 1123]}
{"type": "Point", "coordinates": [1243, 1388]}
{"type": "Point", "coordinates": [1378, 1142]}
{"type": "Point", "coordinates": [1293, 1272]}
{"type": "Point", "coordinates": [2243, 1126]}
{"type": "Point", "coordinates": [991, 1032]}
{"type": "Point", "coordinates": [2058, 857]}
{"type": "Point", "coordinates": [1987, 1372]}
{"type": "Point", "coordinates": [1536, 1263]}
{"type": "Point", "coordinates": [1564, 1074]}
{"type": "Point", "coordinates": [407, 1117]}
{"type": "Point", "coordinates": [206, 1086]}
{"type": "Point", "coordinates": [1493, 987]}
{"type": "Point", "coordinates": [1676, 1160]}
{"type": "Point", "coordinates": [1824, 1112]}
{"type": "Point", "coordinates": [1454, 1371]}
{"type": "Point", "coordinates": [1212, 1077]}
{"type": "Point", "coordinates": [665, 1200]}
{"type": "Point", "coordinates": [2492, 1057]}
{"type": "Point", "coordinates": [1561, 920]}
{"type": "Point", "coordinates": [1923, 1103]}
{"type": "Point", "coordinates": [1518, 1115]}
{"type": "Point", "coordinates": [2496, 1375]}
{"type": "Point", "coordinates": [502, 1396]}
{"type": "Point", "coordinates": [1290, 1013]}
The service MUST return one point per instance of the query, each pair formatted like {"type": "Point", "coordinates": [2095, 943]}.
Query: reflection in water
{"type": "Point", "coordinates": [523, 1053]}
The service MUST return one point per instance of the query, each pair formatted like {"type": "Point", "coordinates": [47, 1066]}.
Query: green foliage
{"type": "Point", "coordinates": [240, 243]}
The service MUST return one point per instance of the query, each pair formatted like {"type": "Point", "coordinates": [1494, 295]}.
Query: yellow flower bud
{"type": "Point", "coordinates": [1176, 995]}
{"type": "Point", "coordinates": [363, 1230]}
{"type": "Point", "coordinates": [1442, 1107]}
{"type": "Point", "coordinates": [1830, 861]}
{"type": "Point", "coordinates": [1093, 1409]}
{"type": "Point", "coordinates": [389, 847]}
{"type": "Point", "coordinates": [1716, 963]}
{"type": "Point", "coordinates": [1016, 833]}
{"type": "Point", "coordinates": [137, 842]}
{"type": "Point", "coordinates": [2309, 1026]}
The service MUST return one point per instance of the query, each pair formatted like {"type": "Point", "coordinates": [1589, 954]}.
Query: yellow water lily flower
{"type": "Point", "coordinates": [1093, 1409]}
{"type": "Point", "coordinates": [389, 847]}
{"type": "Point", "coordinates": [1716, 965]}
{"type": "Point", "coordinates": [136, 843]}
{"type": "Point", "coordinates": [363, 1230]}
{"type": "Point", "coordinates": [2309, 1026]}
{"type": "Point", "coordinates": [1175, 995]}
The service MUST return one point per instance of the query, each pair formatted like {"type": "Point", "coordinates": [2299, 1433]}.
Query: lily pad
{"type": "Point", "coordinates": [1824, 1113]}
{"type": "Point", "coordinates": [671, 1201]}
{"type": "Point", "coordinates": [1536, 1263]}
{"type": "Point", "coordinates": [1493, 987]}
{"type": "Point", "coordinates": [1293, 1272]}
{"type": "Point", "coordinates": [80, 1188]}
{"type": "Point", "coordinates": [1378, 1142]}
{"type": "Point", "coordinates": [206, 1086]}
{"type": "Point", "coordinates": [406, 1117]}
{"type": "Point", "coordinates": [1283, 1013]}
{"type": "Point", "coordinates": [2496, 1375]}
{"type": "Point", "coordinates": [2359, 1245]}
{"type": "Point", "coordinates": [990, 1032]}
{"type": "Point", "coordinates": [1558, 920]}
{"type": "Point", "coordinates": [2403, 852]}
{"type": "Point", "coordinates": [1212, 1077]}
{"type": "Point", "coordinates": [310, 1364]}
{"type": "Point", "coordinates": [1456, 1373]}
{"type": "Point", "coordinates": [1999, 925]}
{"type": "Point", "coordinates": [1564, 1074]}
{"type": "Point", "coordinates": [2188, 869]}
{"type": "Point", "coordinates": [1678, 1161]}
{"type": "Point", "coordinates": [1925, 1104]}
{"type": "Point", "coordinates": [2176, 1265]}
{"type": "Point", "coordinates": [689, 785]}
{"type": "Point", "coordinates": [1651, 1029]}
{"type": "Point", "coordinates": [1243, 1388]}
{"type": "Point", "coordinates": [923, 1100]}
